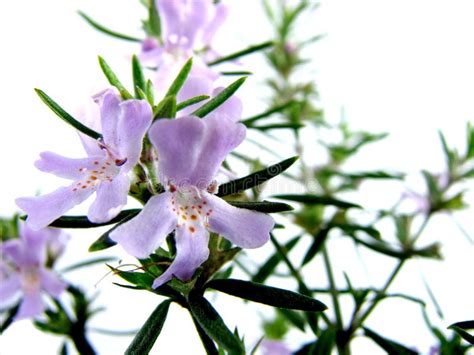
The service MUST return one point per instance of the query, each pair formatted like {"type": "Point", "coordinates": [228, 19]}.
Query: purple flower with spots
{"type": "Point", "coordinates": [104, 171]}
{"type": "Point", "coordinates": [23, 270]}
{"type": "Point", "coordinates": [190, 152]}
{"type": "Point", "coordinates": [188, 26]}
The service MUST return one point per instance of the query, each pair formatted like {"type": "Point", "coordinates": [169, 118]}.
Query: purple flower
{"type": "Point", "coordinates": [23, 270]}
{"type": "Point", "coordinates": [104, 171]}
{"type": "Point", "coordinates": [190, 152]}
{"type": "Point", "coordinates": [274, 347]}
{"type": "Point", "coordinates": [187, 26]}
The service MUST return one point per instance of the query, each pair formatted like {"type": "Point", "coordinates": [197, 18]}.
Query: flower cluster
{"type": "Point", "coordinates": [24, 269]}
{"type": "Point", "coordinates": [104, 171]}
{"type": "Point", "coordinates": [136, 145]}
{"type": "Point", "coordinates": [189, 150]}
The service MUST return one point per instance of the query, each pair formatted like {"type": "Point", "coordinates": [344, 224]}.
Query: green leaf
{"type": "Point", "coordinates": [278, 126]}
{"type": "Point", "coordinates": [432, 184]}
{"type": "Point", "coordinates": [460, 329]}
{"type": "Point", "coordinates": [150, 92]}
{"type": "Point", "coordinates": [9, 228]}
{"type": "Point", "coordinates": [255, 179]}
{"type": "Point", "coordinates": [318, 200]}
{"type": "Point", "coordinates": [139, 279]}
{"type": "Point", "coordinates": [373, 175]}
{"type": "Point", "coordinates": [244, 52]}
{"type": "Point", "coordinates": [431, 251]}
{"type": "Point", "coordinates": [139, 82]}
{"type": "Point", "coordinates": [90, 262]}
{"type": "Point", "coordinates": [104, 241]}
{"type": "Point", "coordinates": [153, 23]}
{"type": "Point", "coordinates": [403, 228]}
{"type": "Point", "coordinates": [166, 108]}
{"type": "Point", "coordinates": [262, 206]}
{"type": "Point", "coordinates": [449, 155]}
{"type": "Point", "coordinates": [219, 99]}
{"type": "Point", "coordinates": [207, 342]}
{"type": "Point", "coordinates": [270, 265]}
{"type": "Point", "coordinates": [83, 221]}
{"type": "Point", "coordinates": [236, 73]}
{"type": "Point", "coordinates": [212, 323]}
{"type": "Point", "coordinates": [248, 122]}
{"type": "Point", "coordinates": [315, 247]}
{"type": "Point", "coordinates": [470, 141]}
{"type": "Point", "coordinates": [191, 101]}
{"type": "Point", "coordinates": [61, 113]}
{"type": "Point", "coordinates": [271, 296]}
{"type": "Point", "coordinates": [8, 319]}
{"type": "Point", "coordinates": [107, 31]}
{"type": "Point", "coordinates": [322, 346]}
{"type": "Point", "coordinates": [454, 203]}
{"type": "Point", "coordinates": [389, 346]}
{"type": "Point", "coordinates": [351, 228]}
{"type": "Point", "coordinates": [63, 350]}
{"type": "Point", "coordinates": [180, 78]}
{"type": "Point", "coordinates": [113, 79]}
{"type": "Point", "coordinates": [146, 337]}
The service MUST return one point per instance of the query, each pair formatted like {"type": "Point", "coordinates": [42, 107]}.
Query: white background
{"type": "Point", "coordinates": [404, 67]}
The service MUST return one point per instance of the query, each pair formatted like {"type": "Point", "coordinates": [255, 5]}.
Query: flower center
{"type": "Point", "coordinates": [190, 207]}
{"type": "Point", "coordinates": [30, 279]}
{"type": "Point", "coordinates": [104, 169]}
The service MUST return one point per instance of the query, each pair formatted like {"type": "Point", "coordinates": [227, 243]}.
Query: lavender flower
{"type": "Point", "coordinates": [190, 152]}
{"type": "Point", "coordinates": [274, 347]}
{"type": "Point", "coordinates": [23, 270]}
{"type": "Point", "coordinates": [188, 26]}
{"type": "Point", "coordinates": [104, 171]}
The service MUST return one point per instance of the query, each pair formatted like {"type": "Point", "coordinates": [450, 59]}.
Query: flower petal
{"type": "Point", "coordinates": [191, 251]}
{"type": "Point", "coordinates": [9, 288]}
{"type": "Point", "coordinates": [111, 197]}
{"type": "Point", "coordinates": [207, 142]}
{"type": "Point", "coordinates": [11, 250]}
{"type": "Point", "coordinates": [67, 168]}
{"type": "Point", "coordinates": [134, 120]}
{"type": "Point", "coordinates": [221, 12]}
{"type": "Point", "coordinates": [31, 306]}
{"type": "Point", "coordinates": [43, 210]}
{"type": "Point", "coordinates": [33, 245]}
{"type": "Point", "coordinates": [144, 233]}
{"type": "Point", "coordinates": [51, 283]}
{"type": "Point", "coordinates": [151, 52]}
{"type": "Point", "coordinates": [109, 103]}
{"type": "Point", "coordinates": [182, 20]}
{"type": "Point", "coordinates": [244, 228]}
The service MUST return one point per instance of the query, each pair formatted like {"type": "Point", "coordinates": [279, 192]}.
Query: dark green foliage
{"type": "Point", "coordinates": [255, 179]}
{"type": "Point", "coordinates": [271, 296]}
{"type": "Point", "coordinates": [151, 329]}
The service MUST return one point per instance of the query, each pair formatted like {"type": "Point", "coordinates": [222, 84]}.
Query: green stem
{"type": "Point", "coordinates": [81, 342]}
{"type": "Point", "coordinates": [379, 295]}
{"type": "Point", "coordinates": [295, 273]}
{"type": "Point", "coordinates": [333, 289]}
{"type": "Point", "coordinates": [357, 322]}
